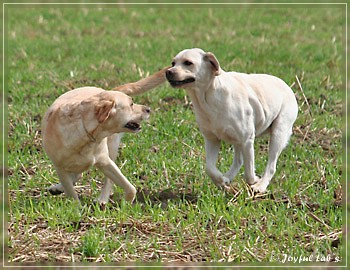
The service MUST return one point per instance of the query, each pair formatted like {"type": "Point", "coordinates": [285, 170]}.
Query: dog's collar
{"type": "Point", "coordinates": [90, 136]}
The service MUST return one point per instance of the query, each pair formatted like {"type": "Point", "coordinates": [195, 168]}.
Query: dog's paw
{"type": "Point", "coordinates": [260, 187]}
{"type": "Point", "coordinates": [130, 194]}
{"type": "Point", "coordinates": [252, 181]}
{"type": "Point", "coordinates": [225, 181]}
{"type": "Point", "coordinates": [222, 182]}
{"type": "Point", "coordinates": [102, 199]}
{"type": "Point", "coordinates": [56, 189]}
{"type": "Point", "coordinates": [102, 205]}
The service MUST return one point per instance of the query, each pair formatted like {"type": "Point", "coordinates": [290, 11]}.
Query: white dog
{"type": "Point", "coordinates": [235, 108]}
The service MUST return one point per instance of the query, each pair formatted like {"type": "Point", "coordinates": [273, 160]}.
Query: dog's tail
{"type": "Point", "coordinates": [143, 85]}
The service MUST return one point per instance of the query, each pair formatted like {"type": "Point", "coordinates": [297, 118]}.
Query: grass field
{"type": "Point", "coordinates": [179, 215]}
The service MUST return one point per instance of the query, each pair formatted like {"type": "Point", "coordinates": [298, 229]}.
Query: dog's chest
{"type": "Point", "coordinates": [227, 115]}
{"type": "Point", "coordinates": [228, 133]}
{"type": "Point", "coordinates": [79, 161]}
{"type": "Point", "coordinates": [221, 126]}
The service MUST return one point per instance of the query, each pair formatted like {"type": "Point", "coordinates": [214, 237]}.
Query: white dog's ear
{"type": "Point", "coordinates": [213, 61]}
{"type": "Point", "coordinates": [103, 109]}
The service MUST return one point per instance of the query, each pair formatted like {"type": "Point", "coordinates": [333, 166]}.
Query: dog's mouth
{"type": "Point", "coordinates": [133, 126]}
{"type": "Point", "coordinates": [174, 83]}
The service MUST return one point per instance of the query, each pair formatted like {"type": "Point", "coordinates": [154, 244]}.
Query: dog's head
{"type": "Point", "coordinates": [117, 112]}
{"type": "Point", "coordinates": [192, 67]}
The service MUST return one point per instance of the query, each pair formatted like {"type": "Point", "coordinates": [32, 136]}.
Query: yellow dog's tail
{"type": "Point", "coordinates": [143, 85]}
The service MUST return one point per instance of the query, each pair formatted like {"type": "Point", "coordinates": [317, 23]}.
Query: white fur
{"type": "Point", "coordinates": [235, 108]}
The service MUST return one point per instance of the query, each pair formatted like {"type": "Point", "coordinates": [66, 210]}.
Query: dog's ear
{"type": "Point", "coordinates": [210, 57]}
{"type": "Point", "coordinates": [103, 109]}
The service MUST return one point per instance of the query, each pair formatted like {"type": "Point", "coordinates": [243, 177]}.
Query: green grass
{"type": "Point", "coordinates": [179, 215]}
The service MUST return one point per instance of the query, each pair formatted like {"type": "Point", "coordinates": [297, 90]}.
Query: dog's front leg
{"type": "Point", "coordinates": [248, 159]}
{"type": "Point", "coordinates": [212, 148]}
{"type": "Point", "coordinates": [113, 143]}
{"type": "Point", "coordinates": [112, 172]}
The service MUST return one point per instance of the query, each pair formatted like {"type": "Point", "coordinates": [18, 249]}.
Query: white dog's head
{"type": "Point", "coordinates": [192, 67]}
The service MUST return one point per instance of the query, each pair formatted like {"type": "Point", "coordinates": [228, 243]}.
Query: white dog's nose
{"type": "Point", "coordinates": [169, 73]}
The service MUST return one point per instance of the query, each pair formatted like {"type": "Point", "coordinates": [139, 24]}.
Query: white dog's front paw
{"type": "Point", "coordinates": [260, 186]}
{"type": "Point", "coordinates": [221, 182]}
{"type": "Point", "coordinates": [225, 180]}
{"type": "Point", "coordinates": [252, 181]}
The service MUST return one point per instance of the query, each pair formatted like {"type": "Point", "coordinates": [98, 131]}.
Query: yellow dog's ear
{"type": "Point", "coordinates": [103, 109]}
{"type": "Point", "coordinates": [213, 61]}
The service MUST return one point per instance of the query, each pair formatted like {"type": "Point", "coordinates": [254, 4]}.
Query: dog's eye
{"type": "Point", "coordinates": [132, 104]}
{"type": "Point", "coordinates": [188, 63]}
{"type": "Point", "coordinates": [172, 63]}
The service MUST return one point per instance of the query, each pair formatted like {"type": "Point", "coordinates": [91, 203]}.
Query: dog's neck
{"type": "Point", "coordinates": [200, 92]}
{"type": "Point", "coordinates": [89, 135]}
{"type": "Point", "coordinates": [199, 101]}
{"type": "Point", "coordinates": [92, 130]}
{"type": "Point", "coordinates": [95, 131]}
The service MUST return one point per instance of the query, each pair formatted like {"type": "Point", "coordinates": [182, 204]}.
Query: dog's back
{"type": "Point", "coordinates": [63, 119]}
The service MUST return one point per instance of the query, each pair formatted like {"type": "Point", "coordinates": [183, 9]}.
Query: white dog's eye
{"type": "Point", "coordinates": [172, 63]}
{"type": "Point", "coordinates": [188, 63]}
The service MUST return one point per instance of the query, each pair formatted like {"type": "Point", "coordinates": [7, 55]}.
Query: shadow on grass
{"type": "Point", "coordinates": [164, 196]}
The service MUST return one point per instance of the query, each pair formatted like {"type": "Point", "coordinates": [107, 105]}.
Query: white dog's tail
{"type": "Point", "coordinates": [143, 85]}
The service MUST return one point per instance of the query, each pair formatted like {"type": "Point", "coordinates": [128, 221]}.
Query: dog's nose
{"type": "Point", "coordinates": [147, 109]}
{"type": "Point", "coordinates": [169, 73]}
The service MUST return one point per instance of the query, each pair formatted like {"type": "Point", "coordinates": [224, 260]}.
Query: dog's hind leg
{"type": "Point", "coordinates": [113, 143]}
{"type": "Point", "coordinates": [212, 148]}
{"type": "Point", "coordinates": [249, 162]}
{"type": "Point", "coordinates": [67, 180]}
{"type": "Point", "coordinates": [278, 141]}
{"type": "Point", "coordinates": [58, 188]}
{"type": "Point", "coordinates": [236, 165]}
